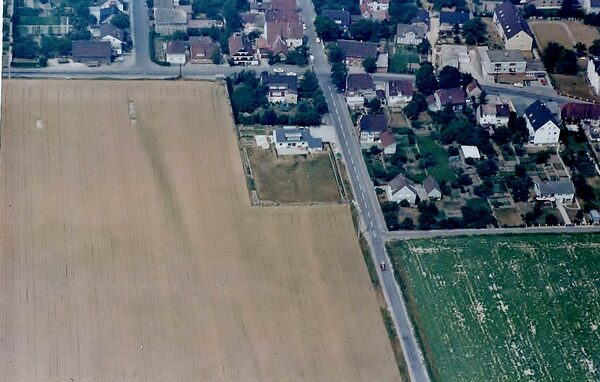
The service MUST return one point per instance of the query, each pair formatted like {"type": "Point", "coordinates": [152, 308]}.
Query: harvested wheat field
{"type": "Point", "coordinates": [129, 250]}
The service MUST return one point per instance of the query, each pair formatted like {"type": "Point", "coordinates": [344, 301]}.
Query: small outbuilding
{"type": "Point", "coordinates": [401, 188]}
{"type": "Point", "coordinates": [432, 188]}
{"type": "Point", "coordinates": [470, 152]}
{"type": "Point", "coordinates": [562, 191]}
{"type": "Point", "coordinates": [595, 216]}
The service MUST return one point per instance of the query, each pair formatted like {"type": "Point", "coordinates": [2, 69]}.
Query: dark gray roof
{"type": "Point", "coordinates": [430, 184]}
{"type": "Point", "coordinates": [399, 182]}
{"type": "Point", "coordinates": [418, 30]}
{"type": "Point", "coordinates": [297, 135]}
{"type": "Point", "coordinates": [555, 187]}
{"type": "Point", "coordinates": [538, 114]}
{"type": "Point", "coordinates": [452, 18]}
{"type": "Point", "coordinates": [374, 123]}
{"type": "Point", "coordinates": [358, 49]}
{"type": "Point", "coordinates": [110, 30]}
{"type": "Point", "coordinates": [277, 79]}
{"type": "Point", "coordinates": [359, 81]}
{"type": "Point", "coordinates": [91, 49]}
{"type": "Point", "coordinates": [338, 15]}
{"type": "Point", "coordinates": [105, 13]}
{"type": "Point", "coordinates": [500, 55]}
{"type": "Point", "coordinates": [401, 87]}
{"type": "Point", "coordinates": [511, 20]}
{"type": "Point", "coordinates": [452, 96]}
{"type": "Point", "coordinates": [422, 16]}
{"type": "Point", "coordinates": [502, 110]}
{"type": "Point", "coordinates": [176, 47]}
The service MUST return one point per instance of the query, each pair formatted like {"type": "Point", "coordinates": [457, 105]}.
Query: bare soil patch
{"type": "Point", "coordinates": [129, 250]}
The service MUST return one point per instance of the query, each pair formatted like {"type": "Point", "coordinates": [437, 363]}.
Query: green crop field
{"type": "Point", "coordinates": [505, 308]}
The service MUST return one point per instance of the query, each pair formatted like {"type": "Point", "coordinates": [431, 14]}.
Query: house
{"type": "Point", "coordinates": [284, 5]}
{"type": "Point", "coordinates": [120, 5]}
{"type": "Point", "coordinates": [575, 115]}
{"type": "Point", "coordinates": [176, 53]}
{"type": "Point", "coordinates": [513, 27]}
{"type": "Point", "coordinates": [470, 152]}
{"type": "Point", "coordinates": [495, 115]}
{"type": "Point", "coordinates": [421, 18]}
{"type": "Point", "coordinates": [114, 35]}
{"type": "Point", "coordinates": [356, 51]}
{"type": "Point", "coordinates": [104, 13]}
{"type": "Point", "coordinates": [495, 62]}
{"type": "Point", "coordinates": [355, 102]}
{"type": "Point", "coordinates": [252, 21]}
{"type": "Point", "coordinates": [295, 140]}
{"type": "Point", "coordinates": [546, 4]}
{"type": "Point", "coordinates": [374, 9]}
{"type": "Point", "coordinates": [456, 56]}
{"type": "Point", "coordinates": [590, 6]}
{"type": "Point", "coordinates": [407, 34]}
{"type": "Point", "coordinates": [340, 17]}
{"type": "Point", "coordinates": [166, 4]}
{"type": "Point", "coordinates": [432, 188]}
{"type": "Point", "coordinates": [453, 98]}
{"type": "Point", "coordinates": [448, 20]}
{"type": "Point", "coordinates": [399, 93]}
{"type": "Point", "coordinates": [193, 23]}
{"type": "Point", "coordinates": [387, 143]}
{"type": "Point", "coordinates": [401, 188]}
{"type": "Point", "coordinates": [169, 21]}
{"type": "Point", "coordinates": [473, 89]}
{"type": "Point", "coordinates": [202, 50]}
{"type": "Point", "coordinates": [290, 33]}
{"type": "Point", "coordinates": [241, 51]}
{"type": "Point", "coordinates": [382, 63]}
{"type": "Point", "coordinates": [92, 52]}
{"type": "Point", "coordinates": [360, 84]}
{"type": "Point", "coordinates": [282, 88]}
{"type": "Point", "coordinates": [593, 73]}
{"type": "Point", "coordinates": [560, 191]}
{"type": "Point", "coordinates": [371, 127]}
{"type": "Point", "coordinates": [543, 128]}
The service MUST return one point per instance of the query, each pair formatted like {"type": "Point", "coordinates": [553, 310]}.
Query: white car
{"type": "Point", "coordinates": [304, 26]}
{"type": "Point", "coordinates": [318, 40]}
{"type": "Point", "coordinates": [292, 74]}
{"type": "Point", "coordinates": [518, 85]}
{"type": "Point", "coordinates": [278, 70]}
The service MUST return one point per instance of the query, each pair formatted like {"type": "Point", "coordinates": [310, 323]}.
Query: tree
{"type": "Point", "coordinates": [269, 118]}
{"type": "Point", "coordinates": [551, 219]}
{"type": "Point", "coordinates": [120, 20]}
{"type": "Point", "coordinates": [374, 106]}
{"type": "Point", "coordinates": [580, 49]}
{"type": "Point", "coordinates": [25, 48]}
{"type": "Point", "coordinates": [529, 10]}
{"type": "Point", "coordinates": [370, 65]}
{"type": "Point", "coordinates": [179, 36]}
{"type": "Point", "coordinates": [550, 55]}
{"type": "Point", "coordinates": [520, 189]}
{"type": "Point", "coordinates": [416, 105]}
{"type": "Point", "coordinates": [217, 57]}
{"type": "Point", "coordinates": [335, 53]}
{"type": "Point", "coordinates": [402, 12]}
{"type": "Point", "coordinates": [319, 102]}
{"type": "Point", "coordinates": [363, 30]}
{"type": "Point", "coordinates": [477, 214]}
{"type": "Point", "coordinates": [486, 168]}
{"type": "Point", "coordinates": [449, 77]}
{"type": "Point", "coordinates": [327, 29]}
{"type": "Point", "coordinates": [567, 62]}
{"type": "Point", "coordinates": [53, 46]}
{"type": "Point", "coordinates": [338, 75]}
{"type": "Point", "coordinates": [407, 224]}
{"type": "Point", "coordinates": [427, 214]}
{"type": "Point", "coordinates": [309, 84]}
{"type": "Point", "coordinates": [474, 31]}
{"type": "Point", "coordinates": [424, 47]}
{"type": "Point", "coordinates": [425, 79]}
{"type": "Point", "coordinates": [244, 99]}
{"type": "Point", "coordinates": [594, 49]}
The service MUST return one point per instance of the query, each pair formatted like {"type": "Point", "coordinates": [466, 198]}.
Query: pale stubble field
{"type": "Point", "coordinates": [129, 250]}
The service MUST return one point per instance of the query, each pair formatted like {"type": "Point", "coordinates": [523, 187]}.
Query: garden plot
{"type": "Point", "coordinates": [506, 308]}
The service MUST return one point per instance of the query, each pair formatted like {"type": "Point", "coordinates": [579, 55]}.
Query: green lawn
{"type": "Point", "coordinates": [505, 308]}
{"type": "Point", "coordinates": [400, 60]}
{"type": "Point", "coordinates": [441, 171]}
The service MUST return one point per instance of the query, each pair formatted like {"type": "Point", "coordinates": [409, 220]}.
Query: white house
{"type": "Point", "coordinates": [513, 27]}
{"type": "Point", "coordinates": [176, 53]}
{"type": "Point", "coordinates": [593, 70]}
{"type": "Point", "coordinates": [400, 188]}
{"type": "Point", "coordinates": [432, 188]}
{"type": "Point", "coordinates": [561, 191]}
{"type": "Point", "coordinates": [387, 142]}
{"type": "Point", "coordinates": [495, 62]}
{"type": "Point", "coordinates": [470, 152]}
{"type": "Point", "coordinates": [169, 21]}
{"type": "Point", "coordinates": [355, 102]}
{"type": "Point", "coordinates": [295, 140]}
{"type": "Point", "coordinates": [495, 115]}
{"type": "Point", "coordinates": [456, 56]}
{"type": "Point", "coordinates": [542, 126]}
{"type": "Point", "coordinates": [407, 34]}
{"type": "Point", "coordinates": [371, 127]}
{"type": "Point", "coordinates": [114, 35]}
{"type": "Point", "coordinates": [399, 93]}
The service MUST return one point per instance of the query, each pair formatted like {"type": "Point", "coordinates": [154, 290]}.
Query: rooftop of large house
{"type": "Point", "coordinates": [538, 114]}
{"type": "Point", "coordinates": [451, 96]}
{"type": "Point", "coordinates": [359, 81]}
{"type": "Point", "coordinates": [108, 29]}
{"type": "Point", "coordinates": [176, 47]}
{"type": "Point", "coordinates": [422, 16]}
{"type": "Point", "coordinates": [498, 110]}
{"type": "Point", "coordinates": [202, 47]}
{"type": "Point", "coordinates": [580, 111]}
{"type": "Point", "coordinates": [511, 20]}
{"type": "Point", "coordinates": [453, 18]}
{"type": "Point", "coordinates": [419, 30]}
{"type": "Point", "coordinates": [238, 42]}
{"type": "Point", "coordinates": [289, 134]}
{"type": "Point", "coordinates": [555, 187]}
{"type": "Point", "coordinates": [400, 87]}
{"type": "Point", "coordinates": [341, 16]}
{"type": "Point", "coordinates": [284, 4]}
{"type": "Point", "coordinates": [430, 184]}
{"type": "Point", "coordinates": [358, 49]}
{"type": "Point", "coordinates": [280, 80]}
{"type": "Point", "coordinates": [400, 181]}
{"type": "Point", "coordinates": [91, 48]}
{"type": "Point", "coordinates": [374, 123]}
{"type": "Point", "coordinates": [500, 55]}
{"type": "Point", "coordinates": [170, 16]}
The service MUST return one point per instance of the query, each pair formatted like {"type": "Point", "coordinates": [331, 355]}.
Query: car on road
{"type": "Point", "coordinates": [278, 70]}
{"type": "Point", "coordinates": [318, 40]}
{"type": "Point", "coordinates": [292, 73]}
{"type": "Point", "coordinates": [518, 85]}
{"type": "Point", "coordinates": [382, 266]}
{"type": "Point", "coordinates": [304, 26]}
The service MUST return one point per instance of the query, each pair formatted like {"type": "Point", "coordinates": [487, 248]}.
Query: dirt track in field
{"type": "Point", "coordinates": [129, 251]}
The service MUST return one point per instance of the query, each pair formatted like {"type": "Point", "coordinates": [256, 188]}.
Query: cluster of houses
{"type": "Point", "coordinates": [108, 40]}
{"type": "Point", "coordinates": [281, 30]}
